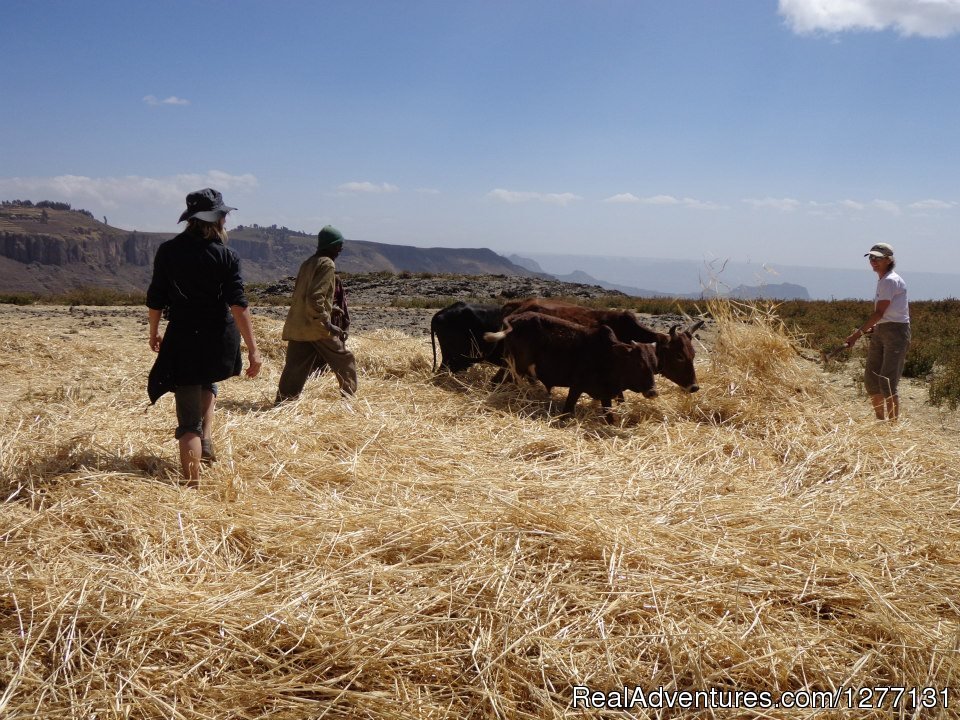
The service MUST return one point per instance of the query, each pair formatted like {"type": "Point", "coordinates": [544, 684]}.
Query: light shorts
{"type": "Point", "coordinates": [885, 357]}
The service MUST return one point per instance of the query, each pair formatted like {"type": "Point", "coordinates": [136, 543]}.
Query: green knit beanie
{"type": "Point", "coordinates": [328, 237]}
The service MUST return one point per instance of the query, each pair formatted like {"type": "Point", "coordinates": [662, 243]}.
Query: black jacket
{"type": "Point", "coordinates": [196, 281]}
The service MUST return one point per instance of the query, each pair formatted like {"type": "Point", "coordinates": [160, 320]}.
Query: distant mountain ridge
{"type": "Point", "coordinates": [775, 291]}
{"type": "Point", "coordinates": [53, 249]}
{"type": "Point", "coordinates": [706, 278]}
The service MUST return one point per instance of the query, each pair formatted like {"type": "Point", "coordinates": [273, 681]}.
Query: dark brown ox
{"type": "Point", "coordinates": [560, 353]}
{"type": "Point", "coordinates": [675, 351]}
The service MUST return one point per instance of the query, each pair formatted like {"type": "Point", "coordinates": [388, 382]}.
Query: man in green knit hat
{"type": "Point", "coordinates": [314, 337]}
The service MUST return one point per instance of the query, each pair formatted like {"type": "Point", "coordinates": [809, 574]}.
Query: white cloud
{"type": "Point", "coordinates": [622, 198]}
{"type": "Point", "coordinates": [630, 198]}
{"type": "Point", "coordinates": [886, 206]}
{"type": "Point", "coordinates": [130, 191]}
{"type": "Point", "coordinates": [367, 187]}
{"type": "Point", "coordinates": [660, 200]}
{"type": "Point", "coordinates": [701, 204]}
{"type": "Point", "coordinates": [172, 100]}
{"type": "Point", "coordinates": [932, 204]}
{"type": "Point", "coordinates": [784, 204]}
{"type": "Point", "coordinates": [835, 209]}
{"type": "Point", "coordinates": [852, 205]}
{"type": "Point", "coordinates": [515, 196]}
{"type": "Point", "coordinates": [927, 18]}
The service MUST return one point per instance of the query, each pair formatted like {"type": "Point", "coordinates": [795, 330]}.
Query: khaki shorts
{"type": "Point", "coordinates": [885, 357]}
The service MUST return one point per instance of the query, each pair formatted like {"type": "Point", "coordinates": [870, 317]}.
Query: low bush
{"type": "Point", "coordinates": [430, 303]}
{"type": "Point", "coordinates": [15, 298]}
{"type": "Point", "coordinates": [91, 295]}
{"type": "Point", "coordinates": [945, 384]}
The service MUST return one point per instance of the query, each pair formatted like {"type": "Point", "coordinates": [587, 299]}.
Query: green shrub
{"type": "Point", "coordinates": [15, 298]}
{"type": "Point", "coordinates": [945, 385]}
{"type": "Point", "coordinates": [92, 295]}
{"type": "Point", "coordinates": [429, 303]}
{"type": "Point", "coordinates": [918, 364]}
{"type": "Point", "coordinates": [935, 343]}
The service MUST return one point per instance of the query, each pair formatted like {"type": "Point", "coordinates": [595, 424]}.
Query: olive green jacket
{"type": "Point", "coordinates": [312, 300]}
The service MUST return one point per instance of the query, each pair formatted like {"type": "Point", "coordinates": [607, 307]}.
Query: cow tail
{"type": "Point", "coordinates": [433, 344]}
{"type": "Point", "coordinates": [498, 336]}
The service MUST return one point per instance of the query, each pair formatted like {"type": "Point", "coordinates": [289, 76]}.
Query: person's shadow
{"type": "Point", "coordinates": [65, 459]}
{"type": "Point", "coordinates": [245, 405]}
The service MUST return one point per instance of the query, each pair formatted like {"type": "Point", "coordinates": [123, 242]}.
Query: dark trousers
{"type": "Point", "coordinates": [305, 358]}
{"type": "Point", "coordinates": [190, 408]}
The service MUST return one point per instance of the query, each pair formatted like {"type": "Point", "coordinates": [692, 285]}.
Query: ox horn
{"type": "Point", "coordinates": [696, 326]}
{"type": "Point", "coordinates": [673, 330]}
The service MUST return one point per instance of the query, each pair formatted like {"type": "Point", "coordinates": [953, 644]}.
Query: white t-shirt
{"type": "Point", "coordinates": [892, 287]}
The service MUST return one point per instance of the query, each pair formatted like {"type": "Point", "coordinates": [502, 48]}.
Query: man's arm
{"type": "Point", "coordinates": [321, 297]}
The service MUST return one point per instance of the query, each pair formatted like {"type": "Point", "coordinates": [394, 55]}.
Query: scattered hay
{"type": "Point", "coordinates": [437, 547]}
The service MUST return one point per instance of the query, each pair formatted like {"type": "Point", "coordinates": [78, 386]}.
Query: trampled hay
{"type": "Point", "coordinates": [437, 547]}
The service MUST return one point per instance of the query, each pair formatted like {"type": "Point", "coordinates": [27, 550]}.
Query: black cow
{"type": "Point", "coordinates": [674, 349]}
{"type": "Point", "coordinates": [459, 329]}
{"type": "Point", "coordinates": [560, 353]}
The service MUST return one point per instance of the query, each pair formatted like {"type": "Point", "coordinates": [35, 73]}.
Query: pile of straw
{"type": "Point", "coordinates": [439, 548]}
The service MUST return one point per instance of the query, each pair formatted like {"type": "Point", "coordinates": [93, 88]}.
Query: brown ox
{"type": "Point", "coordinates": [674, 349]}
{"type": "Point", "coordinates": [560, 353]}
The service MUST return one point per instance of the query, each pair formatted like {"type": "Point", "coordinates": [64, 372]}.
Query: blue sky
{"type": "Point", "coordinates": [798, 132]}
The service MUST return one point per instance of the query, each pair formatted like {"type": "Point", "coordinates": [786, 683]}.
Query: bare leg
{"type": "Point", "coordinates": [878, 404]}
{"type": "Point", "coordinates": [208, 401]}
{"type": "Point", "coordinates": [190, 458]}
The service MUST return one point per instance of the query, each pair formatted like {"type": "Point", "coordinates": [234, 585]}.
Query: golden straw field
{"type": "Point", "coordinates": [437, 548]}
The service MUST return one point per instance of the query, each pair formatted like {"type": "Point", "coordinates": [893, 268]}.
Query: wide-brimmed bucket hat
{"type": "Point", "coordinates": [206, 205]}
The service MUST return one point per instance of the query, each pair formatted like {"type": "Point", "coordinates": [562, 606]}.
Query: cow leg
{"type": "Point", "coordinates": [606, 404]}
{"type": "Point", "coordinates": [500, 376]}
{"type": "Point", "coordinates": [571, 402]}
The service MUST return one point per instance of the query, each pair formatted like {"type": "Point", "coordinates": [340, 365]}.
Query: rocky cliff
{"type": "Point", "coordinates": [54, 250]}
{"type": "Point", "coordinates": [98, 249]}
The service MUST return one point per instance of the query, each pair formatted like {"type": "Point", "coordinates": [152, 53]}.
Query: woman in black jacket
{"type": "Point", "coordinates": [196, 280]}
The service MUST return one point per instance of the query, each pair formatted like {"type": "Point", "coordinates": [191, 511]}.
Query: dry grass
{"type": "Point", "coordinates": [435, 549]}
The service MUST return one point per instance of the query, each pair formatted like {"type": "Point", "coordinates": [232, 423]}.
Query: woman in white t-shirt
{"type": "Point", "coordinates": [890, 321]}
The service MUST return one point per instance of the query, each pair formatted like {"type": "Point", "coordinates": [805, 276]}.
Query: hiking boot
{"type": "Point", "coordinates": [207, 454]}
